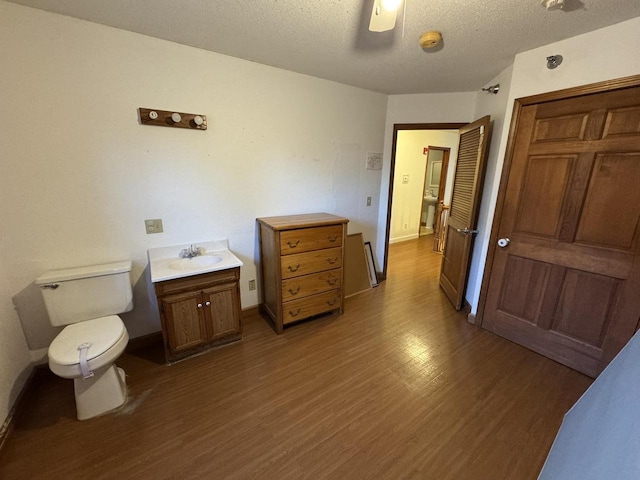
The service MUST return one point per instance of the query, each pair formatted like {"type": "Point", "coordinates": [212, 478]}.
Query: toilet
{"type": "Point", "coordinates": [87, 300]}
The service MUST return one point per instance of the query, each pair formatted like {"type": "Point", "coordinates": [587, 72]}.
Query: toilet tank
{"type": "Point", "coordinates": [76, 294]}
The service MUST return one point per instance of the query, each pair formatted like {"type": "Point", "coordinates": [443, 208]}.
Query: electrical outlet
{"type": "Point", "coordinates": [368, 201]}
{"type": "Point", "coordinates": [252, 284]}
{"type": "Point", "coordinates": [153, 225]}
{"type": "Point", "coordinates": [406, 226]}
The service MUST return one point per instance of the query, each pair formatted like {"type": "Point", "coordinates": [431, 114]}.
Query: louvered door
{"type": "Point", "coordinates": [463, 215]}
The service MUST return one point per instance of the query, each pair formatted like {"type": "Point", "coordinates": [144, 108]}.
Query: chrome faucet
{"type": "Point", "coordinates": [190, 252]}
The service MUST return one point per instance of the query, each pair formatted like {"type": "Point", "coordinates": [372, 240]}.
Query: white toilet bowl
{"type": "Point", "coordinates": [87, 301]}
{"type": "Point", "coordinates": [102, 387]}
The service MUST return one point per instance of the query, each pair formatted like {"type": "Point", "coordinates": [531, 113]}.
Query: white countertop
{"type": "Point", "coordinates": [161, 259]}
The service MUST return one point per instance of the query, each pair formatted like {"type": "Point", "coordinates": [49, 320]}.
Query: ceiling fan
{"type": "Point", "coordinates": [383, 15]}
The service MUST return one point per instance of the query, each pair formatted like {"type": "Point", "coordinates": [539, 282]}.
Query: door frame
{"type": "Point", "coordinates": [519, 103]}
{"type": "Point", "coordinates": [396, 128]}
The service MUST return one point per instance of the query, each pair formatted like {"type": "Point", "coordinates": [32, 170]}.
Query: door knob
{"type": "Point", "coordinates": [503, 242]}
{"type": "Point", "coordinates": [466, 231]}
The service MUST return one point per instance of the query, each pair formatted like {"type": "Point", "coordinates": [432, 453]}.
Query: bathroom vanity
{"type": "Point", "coordinates": [198, 297]}
{"type": "Point", "coordinates": [301, 258]}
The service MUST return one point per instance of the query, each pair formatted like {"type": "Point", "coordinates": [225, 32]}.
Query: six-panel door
{"type": "Point", "coordinates": [565, 281]}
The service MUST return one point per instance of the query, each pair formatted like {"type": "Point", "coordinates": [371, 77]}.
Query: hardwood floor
{"type": "Point", "coordinates": [400, 386]}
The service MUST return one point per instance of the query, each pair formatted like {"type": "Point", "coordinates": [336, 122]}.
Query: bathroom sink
{"type": "Point", "coordinates": [168, 263]}
{"type": "Point", "coordinates": [195, 263]}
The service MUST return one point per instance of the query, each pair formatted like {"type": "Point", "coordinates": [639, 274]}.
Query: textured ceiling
{"type": "Point", "coordinates": [330, 38]}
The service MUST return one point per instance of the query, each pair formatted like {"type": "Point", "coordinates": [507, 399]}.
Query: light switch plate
{"type": "Point", "coordinates": [153, 225]}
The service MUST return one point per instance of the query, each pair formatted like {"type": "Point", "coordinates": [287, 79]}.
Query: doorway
{"type": "Point", "coordinates": [407, 173]}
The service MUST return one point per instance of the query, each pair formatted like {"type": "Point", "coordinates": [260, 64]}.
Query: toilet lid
{"type": "Point", "coordinates": [102, 333]}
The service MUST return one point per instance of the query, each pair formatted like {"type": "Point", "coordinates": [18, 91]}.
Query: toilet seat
{"type": "Point", "coordinates": [108, 338]}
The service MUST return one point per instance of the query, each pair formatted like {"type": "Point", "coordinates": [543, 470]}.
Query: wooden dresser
{"type": "Point", "coordinates": [301, 258]}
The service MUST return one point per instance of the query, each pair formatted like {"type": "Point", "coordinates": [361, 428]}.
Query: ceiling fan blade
{"type": "Point", "coordinates": [382, 19]}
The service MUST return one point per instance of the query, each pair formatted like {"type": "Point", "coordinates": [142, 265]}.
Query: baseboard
{"type": "Point", "coordinates": [250, 311]}
{"type": "Point", "coordinates": [9, 423]}
{"type": "Point", "coordinates": [413, 236]}
{"type": "Point", "coordinates": [471, 317]}
{"type": "Point", "coordinates": [144, 341]}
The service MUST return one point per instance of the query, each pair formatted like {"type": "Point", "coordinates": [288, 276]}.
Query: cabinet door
{"type": "Point", "coordinates": [223, 308]}
{"type": "Point", "coordinates": [184, 321]}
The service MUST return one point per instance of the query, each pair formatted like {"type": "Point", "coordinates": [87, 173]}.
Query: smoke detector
{"type": "Point", "coordinates": [553, 4]}
{"type": "Point", "coordinates": [430, 39]}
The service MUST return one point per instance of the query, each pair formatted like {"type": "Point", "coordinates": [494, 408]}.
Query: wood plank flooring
{"type": "Point", "coordinates": [400, 387]}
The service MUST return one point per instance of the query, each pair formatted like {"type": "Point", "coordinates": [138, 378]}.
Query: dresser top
{"type": "Point", "coordinates": [289, 222]}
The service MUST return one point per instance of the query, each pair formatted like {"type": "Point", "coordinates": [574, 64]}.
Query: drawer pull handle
{"type": "Point", "coordinates": [294, 314]}
{"type": "Point", "coordinates": [294, 269]}
{"type": "Point", "coordinates": [331, 303]}
{"type": "Point", "coordinates": [331, 262]}
{"type": "Point", "coordinates": [332, 238]}
{"type": "Point", "coordinates": [332, 282]}
{"type": "Point", "coordinates": [293, 245]}
{"type": "Point", "coordinates": [296, 292]}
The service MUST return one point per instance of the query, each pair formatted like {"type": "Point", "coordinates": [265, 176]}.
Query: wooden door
{"type": "Point", "coordinates": [223, 307]}
{"type": "Point", "coordinates": [184, 321]}
{"type": "Point", "coordinates": [463, 215]}
{"type": "Point", "coordinates": [565, 280]}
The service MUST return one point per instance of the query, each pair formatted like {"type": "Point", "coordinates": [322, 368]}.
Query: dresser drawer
{"type": "Point", "coordinates": [310, 306]}
{"type": "Point", "coordinates": [298, 287]}
{"type": "Point", "coordinates": [307, 239]}
{"type": "Point", "coordinates": [311, 262]}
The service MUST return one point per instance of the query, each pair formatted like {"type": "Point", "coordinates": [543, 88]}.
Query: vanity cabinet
{"type": "Point", "coordinates": [199, 312]}
{"type": "Point", "coordinates": [301, 258]}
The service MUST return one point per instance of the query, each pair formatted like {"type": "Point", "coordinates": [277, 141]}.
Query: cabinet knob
{"type": "Point", "coordinates": [199, 305]}
{"type": "Point", "coordinates": [208, 304]}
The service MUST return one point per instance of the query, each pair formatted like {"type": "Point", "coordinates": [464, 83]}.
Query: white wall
{"type": "Point", "coordinates": [80, 174]}
{"type": "Point", "coordinates": [600, 436]}
{"type": "Point", "coordinates": [407, 198]}
{"type": "Point", "coordinates": [496, 106]}
{"type": "Point", "coordinates": [604, 54]}
{"type": "Point", "coordinates": [419, 108]}
{"type": "Point", "coordinates": [15, 361]}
